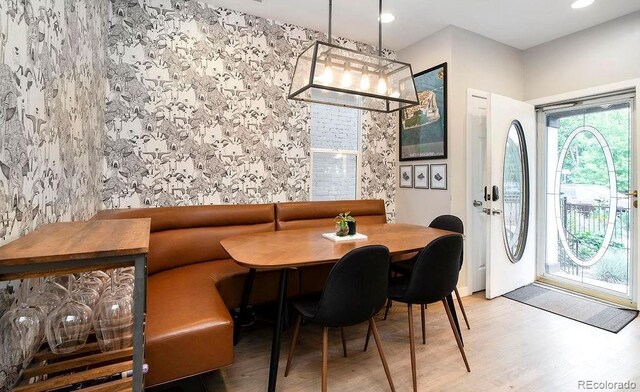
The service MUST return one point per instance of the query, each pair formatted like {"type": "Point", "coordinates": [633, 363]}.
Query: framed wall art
{"type": "Point", "coordinates": [423, 128]}
{"type": "Point", "coordinates": [406, 176]}
{"type": "Point", "coordinates": [439, 176]}
{"type": "Point", "coordinates": [421, 176]}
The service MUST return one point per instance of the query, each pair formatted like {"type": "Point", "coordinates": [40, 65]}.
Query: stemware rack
{"type": "Point", "coordinates": [73, 247]}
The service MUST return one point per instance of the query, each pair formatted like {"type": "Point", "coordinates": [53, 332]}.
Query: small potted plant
{"type": "Point", "coordinates": [345, 224]}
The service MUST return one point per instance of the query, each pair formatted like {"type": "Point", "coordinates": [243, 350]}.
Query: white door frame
{"type": "Point", "coordinates": [470, 192]}
{"type": "Point", "coordinates": [594, 91]}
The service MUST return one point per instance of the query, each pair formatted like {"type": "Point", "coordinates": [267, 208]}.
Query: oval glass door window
{"type": "Point", "coordinates": [515, 200]}
{"type": "Point", "coordinates": [583, 244]}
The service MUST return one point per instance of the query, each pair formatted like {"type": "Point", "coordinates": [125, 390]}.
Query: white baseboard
{"type": "Point", "coordinates": [463, 291]}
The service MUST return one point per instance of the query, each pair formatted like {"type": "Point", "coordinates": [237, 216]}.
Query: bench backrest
{"type": "Point", "coordinates": [299, 215]}
{"type": "Point", "coordinates": [192, 234]}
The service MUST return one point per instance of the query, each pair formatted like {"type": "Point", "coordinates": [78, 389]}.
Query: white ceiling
{"type": "Point", "coordinates": [518, 23]}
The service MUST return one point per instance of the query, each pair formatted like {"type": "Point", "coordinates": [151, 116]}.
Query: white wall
{"type": "Point", "coordinates": [473, 62]}
{"type": "Point", "coordinates": [603, 54]}
{"type": "Point", "coordinates": [420, 206]}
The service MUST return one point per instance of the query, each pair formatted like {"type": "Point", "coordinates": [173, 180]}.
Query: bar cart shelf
{"type": "Point", "coordinates": [65, 248]}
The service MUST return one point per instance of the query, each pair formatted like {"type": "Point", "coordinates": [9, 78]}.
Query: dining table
{"type": "Point", "coordinates": [289, 249]}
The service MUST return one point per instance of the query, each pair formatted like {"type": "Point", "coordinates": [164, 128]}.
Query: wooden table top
{"type": "Point", "coordinates": [78, 241]}
{"type": "Point", "coordinates": [303, 247]}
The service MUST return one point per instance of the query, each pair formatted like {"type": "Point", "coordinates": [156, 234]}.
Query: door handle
{"type": "Point", "coordinates": [495, 193]}
{"type": "Point", "coordinates": [634, 193]}
{"type": "Point", "coordinates": [496, 211]}
{"type": "Point", "coordinates": [477, 203]}
{"type": "Point", "coordinates": [487, 211]}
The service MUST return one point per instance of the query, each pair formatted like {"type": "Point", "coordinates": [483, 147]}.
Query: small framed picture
{"type": "Point", "coordinates": [406, 176]}
{"type": "Point", "coordinates": [421, 174]}
{"type": "Point", "coordinates": [439, 176]}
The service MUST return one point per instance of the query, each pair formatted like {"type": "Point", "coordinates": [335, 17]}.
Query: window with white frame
{"type": "Point", "coordinates": [335, 153]}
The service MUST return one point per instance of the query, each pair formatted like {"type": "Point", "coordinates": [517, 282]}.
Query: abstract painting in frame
{"type": "Point", "coordinates": [423, 128]}
{"type": "Point", "coordinates": [406, 176]}
{"type": "Point", "coordinates": [421, 176]}
{"type": "Point", "coordinates": [439, 176]}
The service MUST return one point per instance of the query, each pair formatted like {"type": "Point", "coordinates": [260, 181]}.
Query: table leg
{"type": "Point", "coordinates": [277, 331]}
{"type": "Point", "coordinates": [244, 302]}
{"type": "Point", "coordinates": [454, 315]}
{"type": "Point", "coordinates": [140, 306]}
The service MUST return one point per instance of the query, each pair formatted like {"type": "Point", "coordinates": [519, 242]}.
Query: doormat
{"type": "Point", "coordinates": [587, 311]}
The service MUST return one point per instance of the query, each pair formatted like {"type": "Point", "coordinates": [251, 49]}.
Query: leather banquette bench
{"type": "Point", "coordinates": [193, 282]}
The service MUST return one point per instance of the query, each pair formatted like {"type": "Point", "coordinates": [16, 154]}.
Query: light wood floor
{"type": "Point", "coordinates": [511, 346]}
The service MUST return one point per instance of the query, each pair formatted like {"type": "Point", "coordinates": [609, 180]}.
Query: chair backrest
{"type": "Point", "coordinates": [451, 223]}
{"type": "Point", "coordinates": [300, 215]}
{"type": "Point", "coordinates": [356, 288]}
{"type": "Point", "coordinates": [448, 222]}
{"type": "Point", "coordinates": [435, 273]}
{"type": "Point", "coordinates": [191, 234]}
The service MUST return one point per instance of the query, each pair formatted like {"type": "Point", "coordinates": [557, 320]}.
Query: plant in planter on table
{"type": "Point", "coordinates": [345, 224]}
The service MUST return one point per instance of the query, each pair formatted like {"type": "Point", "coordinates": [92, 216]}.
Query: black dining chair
{"type": "Point", "coordinates": [354, 292]}
{"type": "Point", "coordinates": [433, 277]}
{"type": "Point", "coordinates": [444, 222]}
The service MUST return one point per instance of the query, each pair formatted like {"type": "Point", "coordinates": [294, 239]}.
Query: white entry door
{"type": "Point", "coordinates": [509, 196]}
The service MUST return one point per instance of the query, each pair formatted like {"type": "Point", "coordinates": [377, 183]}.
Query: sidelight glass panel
{"type": "Point", "coordinates": [588, 240]}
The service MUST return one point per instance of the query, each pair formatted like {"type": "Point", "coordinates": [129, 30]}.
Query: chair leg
{"type": "Point", "coordinates": [412, 345]}
{"type": "Point", "coordinates": [422, 316]}
{"type": "Point", "coordinates": [344, 342]}
{"type": "Point", "coordinates": [294, 340]}
{"type": "Point", "coordinates": [464, 314]}
{"type": "Point", "coordinates": [325, 352]}
{"type": "Point", "coordinates": [376, 337]}
{"type": "Point", "coordinates": [456, 334]}
{"type": "Point", "coordinates": [386, 311]}
{"type": "Point", "coordinates": [366, 342]}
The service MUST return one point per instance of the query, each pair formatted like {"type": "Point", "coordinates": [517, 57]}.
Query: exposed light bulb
{"type": "Point", "coordinates": [346, 77]}
{"type": "Point", "coordinates": [365, 81]}
{"type": "Point", "coordinates": [382, 85]}
{"type": "Point", "coordinates": [327, 74]}
{"type": "Point", "coordinates": [386, 18]}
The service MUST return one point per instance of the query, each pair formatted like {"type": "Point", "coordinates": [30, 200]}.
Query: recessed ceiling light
{"type": "Point", "coordinates": [387, 18]}
{"type": "Point", "coordinates": [581, 3]}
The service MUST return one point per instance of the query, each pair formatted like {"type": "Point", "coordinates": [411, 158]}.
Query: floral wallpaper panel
{"type": "Point", "coordinates": [197, 110]}
{"type": "Point", "coordinates": [52, 84]}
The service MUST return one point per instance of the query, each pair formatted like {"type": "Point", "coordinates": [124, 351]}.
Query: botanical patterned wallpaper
{"type": "Point", "coordinates": [52, 84]}
{"type": "Point", "coordinates": [197, 110]}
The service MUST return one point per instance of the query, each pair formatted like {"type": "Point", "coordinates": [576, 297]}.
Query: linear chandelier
{"type": "Point", "coordinates": [334, 75]}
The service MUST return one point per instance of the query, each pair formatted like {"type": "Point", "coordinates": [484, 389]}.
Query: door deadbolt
{"type": "Point", "coordinates": [477, 203]}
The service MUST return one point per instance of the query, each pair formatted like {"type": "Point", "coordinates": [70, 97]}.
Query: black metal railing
{"type": "Point", "coordinates": [585, 226]}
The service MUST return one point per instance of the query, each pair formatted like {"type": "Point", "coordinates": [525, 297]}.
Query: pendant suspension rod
{"type": "Point", "coordinates": [380, 29]}
{"type": "Point", "coordinates": [330, 12]}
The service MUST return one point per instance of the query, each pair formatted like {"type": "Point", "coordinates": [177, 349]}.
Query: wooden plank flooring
{"type": "Point", "coordinates": [511, 346]}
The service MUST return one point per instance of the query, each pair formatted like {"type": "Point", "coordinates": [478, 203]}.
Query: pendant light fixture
{"type": "Point", "coordinates": [333, 75]}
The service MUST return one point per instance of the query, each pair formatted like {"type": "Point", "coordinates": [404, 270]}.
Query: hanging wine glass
{"type": "Point", "coordinates": [118, 282]}
{"type": "Point", "coordinates": [24, 325]}
{"type": "Point", "coordinates": [113, 317]}
{"type": "Point", "coordinates": [68, 326]}
{"type": "Point", "coordinates": [50, 285]}
{"type": "Point", "coordinates": [42, 299]}
{"type": "Point", "coordinates": [85, 294]}
{"type": "Point", "coordinates": [96, 280]}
